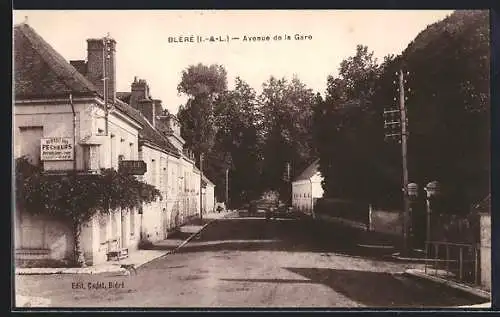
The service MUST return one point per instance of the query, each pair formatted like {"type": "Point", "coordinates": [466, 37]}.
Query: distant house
{"type": "Point", "coordinates": [306, 189]}
{"type": "Point", "coordinates": [208, 195]}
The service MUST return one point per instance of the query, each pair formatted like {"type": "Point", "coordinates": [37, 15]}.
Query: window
{"type": "Point", "coordinates": [91, 157]}
{"type": "Point", "coordinates": [114, 226]}
{"type": "Point", "coordinates": [162, 175]}
{"type": "Point", "coordinates": [172, 182]}
{"type": "Point", "coordinates": [153, 172]}
{"type": "Point", "coordinates": [29, 143]}
{"type": "Point", "coordinates": [132, 222]}
{"type": "Point", "coordinates": [113, 149]}
{"type": "Point", "coordinates": [103, 228]}
{"type": "Point", "coordinates": [122, 148]}
{"type": "Point", "coordinates": [131, 150]}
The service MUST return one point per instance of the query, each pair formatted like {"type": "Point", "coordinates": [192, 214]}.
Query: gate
{"type": "Point", "coordinates": [454, 261]}
{"type": "Point", "coordinates": [454, 251]}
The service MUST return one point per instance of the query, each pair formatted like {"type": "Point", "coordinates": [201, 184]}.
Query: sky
{"type": "Point", "coordinates": [145, 48]}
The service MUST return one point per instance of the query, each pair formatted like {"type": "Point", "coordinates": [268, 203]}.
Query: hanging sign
{"type": "Point", "coordinates": [132, 167]}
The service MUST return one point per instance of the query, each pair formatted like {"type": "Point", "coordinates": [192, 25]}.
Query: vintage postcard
{"type": "Point", "coordinates": [239, 158]}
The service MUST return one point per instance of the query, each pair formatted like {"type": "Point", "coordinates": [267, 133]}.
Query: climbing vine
{"type": "Point", "coordinates": [78, 198]}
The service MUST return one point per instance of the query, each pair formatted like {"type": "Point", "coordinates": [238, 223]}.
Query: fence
{"type": "Point", "coordinates": [455, 261]}
{"type": "Point", "coordinates": [454, 252]}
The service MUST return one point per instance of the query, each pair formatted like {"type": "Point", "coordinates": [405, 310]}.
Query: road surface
{"type": "Point", "coordinates": [251, 262]}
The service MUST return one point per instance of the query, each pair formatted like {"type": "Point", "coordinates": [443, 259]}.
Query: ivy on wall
{"type": "Point", "coordinates": [78, 198]}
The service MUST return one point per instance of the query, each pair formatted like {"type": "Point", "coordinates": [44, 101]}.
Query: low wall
{"type": "Point", "coordinates": [342, 209]}
{"type": "Point", "coordinates": [342, 221]}
{"type": "Point", "coordinates": [42, 233]}
{"type": "Point", "coordinates": [385, 221]}
{"type": "Point", "coordinates": [485, 251]}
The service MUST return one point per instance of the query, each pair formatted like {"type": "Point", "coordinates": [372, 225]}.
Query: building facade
{"type": "Point", "coordinates": [61, 105]}
{"type": "Point", "coordinates": [306, 189]}
{"type": "Point", "coordinates": [208, 195]}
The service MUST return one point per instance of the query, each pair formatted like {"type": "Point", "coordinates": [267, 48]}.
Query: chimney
{"type": "Point", "coordinates": [158, 107]}
{"type": "Point", "coordinates": [81, 66]}
{"type": "Point", "coordinates": [147, 108]}
{"type": "Point", "coordinates": [140, 91]}
{"type": "Point", "coordinates": [101, 58]}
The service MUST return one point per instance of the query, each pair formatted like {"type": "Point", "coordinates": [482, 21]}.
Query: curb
{"type": "Point", "coordinates": [375, 246]}
{"type": "Point", "coordinates": [455, 285]}
{"type": "Point", "coordinates": [191, 237]}
{"type": "Point", "coordinates": [395, 256]}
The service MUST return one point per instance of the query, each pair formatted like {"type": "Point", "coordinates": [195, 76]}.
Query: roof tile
{"type": "Point", "coordinates": [309, 172]}
{"type": "Point", "coordinates": [41, 71]}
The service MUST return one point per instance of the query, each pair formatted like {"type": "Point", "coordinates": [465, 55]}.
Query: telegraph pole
{"type": "Point", "coordinates": [227, 188]}
{"type": "Point", "coordinates": [201, 186]}
{"type": "Point", "coordinates": [404, 136]}
{"type": "Point", "coordinates": [104, 79]}
{"type": "Point", "coordinates": [396, 125]}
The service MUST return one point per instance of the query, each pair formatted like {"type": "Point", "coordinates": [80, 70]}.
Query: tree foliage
{"type": "Point", "coordinates": [78, 197]}
{"type": "Point", "coordinates": [203, 85]}
{"type": "Point", "coordinates": [449, 106]}
{"type": "Point", "coordinates": [447, 110]}
{"type": "Point", "coordinates": [345, 129]}
{"type": "Point", "coordinates": [286, 108]}
{"type": "Point", "coordinates": [253, 135]}
{"type": "Point", "coordinates": [239, 140]}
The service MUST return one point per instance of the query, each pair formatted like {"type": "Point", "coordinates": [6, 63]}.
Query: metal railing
{"type": "Point", "coordinates": [454, 261]}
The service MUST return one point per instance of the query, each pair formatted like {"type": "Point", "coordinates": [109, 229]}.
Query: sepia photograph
{"type": "Point", "coordinates": [251, 159]}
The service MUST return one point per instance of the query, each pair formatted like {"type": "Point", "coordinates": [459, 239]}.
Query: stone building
{"type": "Point", "coordinates": [59, 101]}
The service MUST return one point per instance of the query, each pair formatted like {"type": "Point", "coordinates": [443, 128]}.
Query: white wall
{"type": "Point", "coordinates": [56, 120]}
{"type": "Point", "coordinates": [485, 251]}
{"type": "Point", "coordinates": [123, 141]}
{"type": "Point", "coordinates": [209, 198]}
{"type": "Point", "coordinates": [317, 189]}
{"type": "Point", "coordinates": [302, 196]}
{"type": "Point", "coordinates": [43, 232]}
{"type": "Point", "coordinates": [156, 216]}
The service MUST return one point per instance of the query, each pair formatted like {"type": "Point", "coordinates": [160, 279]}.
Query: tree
{"type": "Point", "coordinates": [77, 198]}
{"type": "Point", "coordinates": [448, 106]}
{"type": "Point", "coordinates": [203, 85]}
{"type": "Point", "coordinates": [286, 109]}
{"type": "Point", "coordinates": [447, 110]}
{"type": "Point", "coordinates": [238, 140]}
{"type": "Point", "coordinates": [345, 127]}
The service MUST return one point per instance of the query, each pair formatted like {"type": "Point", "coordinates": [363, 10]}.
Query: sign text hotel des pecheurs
{"type": "Point", "coordinates": [56, 149]}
